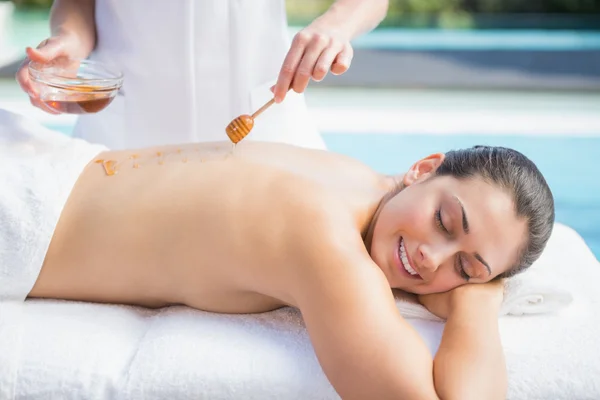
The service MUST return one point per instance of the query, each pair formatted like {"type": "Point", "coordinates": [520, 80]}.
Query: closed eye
{"type": "Point", "coordinates": [439, 222]}
{"type": "Point", "coordinates": [461, 268]}
{"type": "Point", "coordinates": [459, 261]}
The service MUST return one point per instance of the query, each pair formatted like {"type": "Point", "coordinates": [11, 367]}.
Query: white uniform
{"type": "Point", "coordinates": [190, 67]}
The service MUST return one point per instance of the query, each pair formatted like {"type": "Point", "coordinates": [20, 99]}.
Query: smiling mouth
{"type": "Point", "coordinates": [404, 261]}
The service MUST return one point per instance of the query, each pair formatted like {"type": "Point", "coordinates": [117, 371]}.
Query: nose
{"type": "Point", "coordinates": [432, 256]}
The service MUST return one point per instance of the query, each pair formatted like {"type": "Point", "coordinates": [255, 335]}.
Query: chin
{"type": "Point", "coordinates": [416, 290]}
{"type": "Point", "coordinates": [411, 291]}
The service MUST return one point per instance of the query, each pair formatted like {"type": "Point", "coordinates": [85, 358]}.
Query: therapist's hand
{"type": "Point", "coordinates": [315, 51]}
{"type": "Point", "coordinates": [51, 49]}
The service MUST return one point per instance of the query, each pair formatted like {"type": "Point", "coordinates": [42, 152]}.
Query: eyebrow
{"type": "Point", "coordinates": [481, 260]}
{"type": "Point", "coordinates": [465, 221]}
{"type": "Point", "coordinates": [465, 226]}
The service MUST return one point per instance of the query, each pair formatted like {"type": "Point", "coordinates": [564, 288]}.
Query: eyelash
{"type": "Point", "coordinates": [438, 220]}
{"type": "Point", "coordinates": [440, 224]}
{"type": "Point", "coordinates": [461, 270]}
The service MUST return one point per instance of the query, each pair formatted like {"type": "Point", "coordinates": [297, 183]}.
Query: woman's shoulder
{"type": "Point", "coordinates": [329, 246]}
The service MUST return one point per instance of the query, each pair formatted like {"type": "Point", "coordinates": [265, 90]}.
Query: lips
{"type": "Point", "coordinates": [404, 264]}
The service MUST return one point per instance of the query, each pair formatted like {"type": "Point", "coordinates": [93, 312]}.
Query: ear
{"type": "Point", "coordinates": [423, 169]}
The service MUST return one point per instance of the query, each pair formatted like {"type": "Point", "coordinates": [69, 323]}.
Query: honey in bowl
{"type": "Point", "coordinates": [83, 100]}
{"type": "Point", "coordinates": [76, 86]}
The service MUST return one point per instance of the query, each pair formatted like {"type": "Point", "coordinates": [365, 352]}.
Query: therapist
{"type": "Point", "coordinates": [191, 67]}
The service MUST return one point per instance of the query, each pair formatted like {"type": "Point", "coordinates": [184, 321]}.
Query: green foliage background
{"type": "Point", "coordinates": [565, 14]}
{"type": "Point", "coordinates": [469, 6]}
{"type": "Point", "coordinates": [547, 14]}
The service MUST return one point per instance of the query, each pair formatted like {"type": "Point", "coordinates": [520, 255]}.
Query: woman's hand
{"type": "Point", "coordinates": [442, 304]}
{"type": "Point", "coordinates": [315, 51]}
{"type": "Point", "coordinates": [55, 48]}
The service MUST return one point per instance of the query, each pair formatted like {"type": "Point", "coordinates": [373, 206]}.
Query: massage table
{"type": "Point", "coordinates": [51, 349]}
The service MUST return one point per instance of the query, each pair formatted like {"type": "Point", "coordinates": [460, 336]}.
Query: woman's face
{"type": "Point", "coordinates": [440, 233]}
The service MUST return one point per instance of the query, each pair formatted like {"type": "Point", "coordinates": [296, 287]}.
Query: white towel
{"type": "Point", "coordinates": [11, 336]}
{"type": "Point", "coordinates": [38, 168]}
{"type": "Point", "coordinates": [71, 350]}
{"type": "Point", "coordinates": [534, 292]}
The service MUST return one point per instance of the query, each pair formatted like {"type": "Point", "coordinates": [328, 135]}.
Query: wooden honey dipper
{"type": "Point", "coordinates": [240, 127]}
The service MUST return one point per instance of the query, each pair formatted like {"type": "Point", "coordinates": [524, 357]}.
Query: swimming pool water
{"type": "Point", "coordinates": [568, 163]}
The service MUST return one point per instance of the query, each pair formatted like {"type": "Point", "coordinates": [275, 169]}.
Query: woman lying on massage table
{"type": "Point", "coordinates": [270, 225]}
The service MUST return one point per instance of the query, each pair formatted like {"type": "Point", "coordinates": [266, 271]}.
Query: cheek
{"type": "Point", "coordinates": [407, 218]}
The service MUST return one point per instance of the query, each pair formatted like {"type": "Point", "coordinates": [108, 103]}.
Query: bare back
{"type": "Point", "coordinates": [202, 226]}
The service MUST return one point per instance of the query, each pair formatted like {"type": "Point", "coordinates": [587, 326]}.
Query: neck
{"type": "Point", "coordinates": [396, 187]}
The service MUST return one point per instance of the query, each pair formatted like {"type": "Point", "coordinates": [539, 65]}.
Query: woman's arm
{"type": "Point", "coordinates": [366, 349]}
{"type": "Point", "coordinates": [75, 18]}
{"type": "Point", "coordinates": [470, 362]}
{"type": "Point", "coordinates": [354, 17]}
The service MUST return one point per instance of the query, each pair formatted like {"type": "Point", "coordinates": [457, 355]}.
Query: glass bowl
{"type": "Point", "coordinates": [75, 86]}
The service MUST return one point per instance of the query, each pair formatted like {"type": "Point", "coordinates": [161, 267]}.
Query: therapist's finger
{"type": "Point", "coordinates": [309, 60]}
{"type": "Point", "coordinates": [290, 64]}
{"type": "Point", "coordinates": [324, 63]}
{"type": "Point", "coordinates": [40, 104]}
{"type": "Point", "coordinates": [22, 77]}
{"type": "Point", "coordinates": [46, 51]}
{"type": "Point", "coordinates": [343, 60]}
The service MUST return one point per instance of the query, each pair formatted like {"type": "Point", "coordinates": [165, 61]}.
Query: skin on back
{"type": "Point", "coordinates": [198, 225]}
